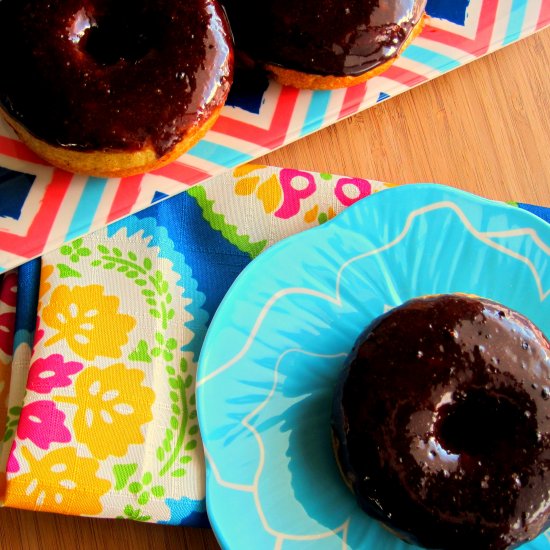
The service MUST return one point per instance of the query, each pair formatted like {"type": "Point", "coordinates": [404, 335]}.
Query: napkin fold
{"type": "Point", "coordinates": [99, 343]}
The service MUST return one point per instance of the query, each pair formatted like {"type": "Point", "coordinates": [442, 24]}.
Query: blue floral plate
{"type": "Point", "coordinates": [278, 341]}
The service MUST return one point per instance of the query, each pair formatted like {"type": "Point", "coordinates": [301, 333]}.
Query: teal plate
{"type": "Point", "coordinates": [278, 342]}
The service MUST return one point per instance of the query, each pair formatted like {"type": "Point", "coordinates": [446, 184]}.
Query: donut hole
{"type": "Point", "coordinates": [480, 424]}
{"type": "Point", "coordinates": [121, 34]}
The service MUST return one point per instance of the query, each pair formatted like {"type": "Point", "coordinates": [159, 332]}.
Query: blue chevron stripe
{"type": "Point", "coordinates": [219, 154]}
{"type": "Point", "coordinates": [453, 10]}
{"type": "Point", "coordinates": [316, 111]}
{"type": "Point", "coordinates": [87, 207]}
{"type": "Point", "coordinates": [15, 188]}
{"type": "Point", "coordinates": [435, 60]}
{"type": "Point", "coordinates": [515, 23]}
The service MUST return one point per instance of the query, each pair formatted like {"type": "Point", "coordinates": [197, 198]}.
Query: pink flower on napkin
{"type": "Point", "coordinates": [293, 192]}
{"type": "Point", "coordinates": [350, 190]}
{"type": "Point", "coordinates": [38, 332]}
{"type": "Point", "coordinates": [8, 289]}
{"type": "Point", "coordinates": [12, 466]}
{"type": "Point", "coordinates": [7, 322]}
{"type": "Point", "coordinates": [42, 423]}
{"type": "Point", "coordinates": [51, 372]}
{"type": "Point", "coordinates": [38, 335]}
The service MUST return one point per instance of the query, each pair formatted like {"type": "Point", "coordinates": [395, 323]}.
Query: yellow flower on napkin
{"type": "Point", "coordinates": [111, 406]}
{"type": "Point", "coordinates": [60, 481]}
{"type": "Point", "coordinates": [45, 273]}
{"type": "Point", "coordinates": [88, 321]}
{"type": "Point", "coordinates": [269, 191]}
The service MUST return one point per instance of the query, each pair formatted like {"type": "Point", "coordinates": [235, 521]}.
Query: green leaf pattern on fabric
{"type": "Point", "coordinates": [180, 436]}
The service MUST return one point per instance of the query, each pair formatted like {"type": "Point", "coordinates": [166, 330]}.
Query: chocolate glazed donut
{"type": "Point", "coordinates": [441, 423]}
{"type": "Point", "coordinates": [324, 43]}
{"type": "Point", "coordinates": [125, 77]}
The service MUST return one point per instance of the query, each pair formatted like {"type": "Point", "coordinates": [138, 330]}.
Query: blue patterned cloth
{"type": "Point", "coordinates": [198, 242]}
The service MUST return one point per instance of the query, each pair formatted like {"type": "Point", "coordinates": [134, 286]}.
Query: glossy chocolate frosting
{"type": "Point", "coordinates": [325, 37]}
{"type": "Point", "coordinates": [113, 74]}
{"type": "Point", "coordinates": [442, 423]}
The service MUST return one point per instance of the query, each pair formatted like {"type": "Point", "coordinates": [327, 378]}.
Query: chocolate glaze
{"type": "Point", "coordinates": [442, 423]}
{"type": "Point", "coordinates": [113, 74]}
{"type": "Point", "coordinates": [325, 37]}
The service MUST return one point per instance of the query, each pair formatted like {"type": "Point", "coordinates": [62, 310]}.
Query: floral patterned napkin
{"type": "Point", "coordinates": [99, 343]}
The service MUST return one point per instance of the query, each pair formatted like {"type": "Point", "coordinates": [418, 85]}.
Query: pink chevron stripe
{"type": "Point", "coordinates": [544, 15]}
{"type": "Point", "coordinates": [476, 46]}
{"type": "Point", "coordinates": [125, 198]}
{"type": "Point", "coordinates": [33, 243]}
{"type": "Point", "coordinates": [17, 149]}
{"type": "Point", "coordinates": [179, 171]}
{"type": "Point", "coordinates": [404, 76]}
{"type": "Point", "coordinates": [352, 99]}
{"type": "Point", "coordinates": [275, 135]}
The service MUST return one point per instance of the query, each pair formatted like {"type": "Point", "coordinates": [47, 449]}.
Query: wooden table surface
{"type": "Point", "coordinates": [484, 128]}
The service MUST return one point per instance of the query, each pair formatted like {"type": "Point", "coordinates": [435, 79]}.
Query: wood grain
{"type": "Point", "coordinates": [484, 128]}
